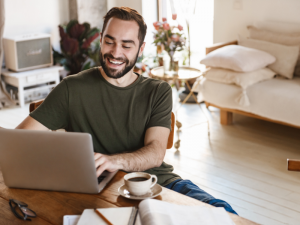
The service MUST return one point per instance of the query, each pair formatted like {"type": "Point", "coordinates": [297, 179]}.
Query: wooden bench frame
{"type": "Point", "coordinates": [293, 165]}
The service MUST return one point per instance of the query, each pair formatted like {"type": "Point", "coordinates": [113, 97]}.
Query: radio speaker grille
{"type": "Point", "coordinates": [33, 52]}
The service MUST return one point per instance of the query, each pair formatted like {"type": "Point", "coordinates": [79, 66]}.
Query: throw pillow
{"type": "Point", "coordinates": [286, 56]}
{"type": "Point", "coordinates": [243, 79]}
{"type": "Point", "coordinates": [238, 58]}
{"type": "Point", "coordinates": [279, 27]}
{"type": "Point", "coordinates": [279, 38]}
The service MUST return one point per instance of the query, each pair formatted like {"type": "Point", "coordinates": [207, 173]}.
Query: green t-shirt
{"type": "Point", "coordinates": [116, 117]}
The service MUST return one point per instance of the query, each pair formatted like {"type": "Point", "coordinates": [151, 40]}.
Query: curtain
{"type": "Point", "coordinates": [2, 18]}
{"type": "Point", "coordinates": [4, 97]}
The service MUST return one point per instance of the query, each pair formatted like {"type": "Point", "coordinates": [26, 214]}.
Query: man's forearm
{"type": "Point", "coordinates": [145, 158]}
{"type": "Point", "coordinates": [150, 156]}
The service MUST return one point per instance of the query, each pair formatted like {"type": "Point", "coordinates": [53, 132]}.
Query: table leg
{"type": "Point", "coordinates": [57, 80]}
{"type": "Point", "coordinates": [195, 98]}
{"type": "Point", "coordinates": [191, 93]}
{"type": "Point", "coordinates": [21, 96]}
{"type": "Point", "coordinates": [177, 85]}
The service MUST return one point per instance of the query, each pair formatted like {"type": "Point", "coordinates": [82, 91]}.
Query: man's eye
{"type": "Point", "coordinates": [109, 43]}
{"type": "Point", "coordinates": [125, 47]}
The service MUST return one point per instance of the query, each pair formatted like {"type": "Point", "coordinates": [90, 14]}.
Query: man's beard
{"type": "Point", "coordinates": [113, 73]}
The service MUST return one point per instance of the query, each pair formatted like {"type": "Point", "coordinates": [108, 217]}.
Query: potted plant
{"type": "Point", "coordinates": [80, 47]}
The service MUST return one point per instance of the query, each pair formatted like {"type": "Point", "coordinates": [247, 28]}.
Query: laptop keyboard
{"type": "Point", "coordinates": [101, 178]}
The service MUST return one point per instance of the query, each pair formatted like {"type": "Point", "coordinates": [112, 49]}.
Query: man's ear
{"type": "Point", "coordinates": [100, 37]}
{"type": "Point", "coordinates": [142, 48]}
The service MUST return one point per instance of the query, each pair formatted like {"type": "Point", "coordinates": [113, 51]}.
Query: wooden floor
{"type": "Point", "coordinates": [243, 164]}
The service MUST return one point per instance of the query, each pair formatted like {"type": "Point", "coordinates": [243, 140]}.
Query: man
{"type": "Point", "coordinates": [128, 115]}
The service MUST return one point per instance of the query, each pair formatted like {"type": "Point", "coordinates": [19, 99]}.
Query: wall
{"type": "Point", "coordinates": [135, 4]}
{"type": "Point", "coordinates": [31, 16]}
{"type": "Point", "coordinates": [92, 11]}
{"type": "Point", "coordinates": [232, 16]}
{"type": "Point", "coordinates": [149, 9]}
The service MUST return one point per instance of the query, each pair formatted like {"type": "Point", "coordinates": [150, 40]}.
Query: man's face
{"type": "Point", "coordinates": [119, 47]}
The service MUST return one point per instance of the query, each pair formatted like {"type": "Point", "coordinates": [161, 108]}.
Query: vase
{"type": "Point", "coordinates": [171, 66]}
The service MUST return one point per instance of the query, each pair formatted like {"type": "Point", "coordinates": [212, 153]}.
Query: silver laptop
{"type": "Point", "coordinates": [56, 161]}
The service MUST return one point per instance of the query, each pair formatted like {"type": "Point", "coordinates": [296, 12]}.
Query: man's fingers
{"type": "Point", "coordinates": [99, 161]}
{"type": "Point", "coordinates": [103, 162]}
{"type": "Point", "coordinates": [101, 169]}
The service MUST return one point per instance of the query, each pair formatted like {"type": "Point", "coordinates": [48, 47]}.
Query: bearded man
{"type": "Point", "coordinates": [128, 115]}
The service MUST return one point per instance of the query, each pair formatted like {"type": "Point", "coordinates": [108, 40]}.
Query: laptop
{"type": "Point", "coordinates": [55, 161]}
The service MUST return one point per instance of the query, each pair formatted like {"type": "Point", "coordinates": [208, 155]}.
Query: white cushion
{"type": "Point", "coordinates": [238, 58]}
{"type": "Point", "coordinates": [286, 56]}
{"type": "Point", "coordinates": [279, 38]}
{"type": "Point", "coordinates": [243, 79]}
{"type": "Point", "coordinates": [280, 27]}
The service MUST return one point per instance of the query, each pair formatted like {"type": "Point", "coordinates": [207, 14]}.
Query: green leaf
{"type": "Point", "coordinates": [57, 57]}
{"type": "Point", "coordinates": [66, 68]}
{"type": "Point", "coordinates": [86, 66]}
{"type": "Point", "coordinates": [71, 24]}
{"type": "Point", "coordinates": [92, 32]}
{"type": "Point", "coordinates": [87, 29]}
{"type": "Point", "coordinates": [156, 41]}
{"type": "Point", "coordinates": [62, 61]}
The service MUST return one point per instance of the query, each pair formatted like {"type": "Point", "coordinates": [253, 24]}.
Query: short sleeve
{"type": "Point", "coordinates": [53, 112]}
{"type": "Point", "coordinates": [161, 107]}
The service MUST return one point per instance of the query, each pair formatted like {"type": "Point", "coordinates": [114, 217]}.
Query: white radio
{"type": "Point", "coordinates": [27, 52]}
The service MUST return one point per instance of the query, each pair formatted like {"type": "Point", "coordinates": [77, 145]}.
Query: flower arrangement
{"type": "Point", "coordinates": [80, 47]}
{"type": "Point", "coordinates": [169, 37]}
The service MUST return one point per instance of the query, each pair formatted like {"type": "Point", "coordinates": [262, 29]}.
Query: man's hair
{"type": "Point", "coordinates": [128, 14]}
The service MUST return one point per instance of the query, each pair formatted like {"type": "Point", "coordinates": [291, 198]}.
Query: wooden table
{"type": "Point", "coordinates": [51, 206]}
{"type": "Point", "coordinates": [185, 74]}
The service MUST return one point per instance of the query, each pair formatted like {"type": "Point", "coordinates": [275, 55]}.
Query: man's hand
{"type": "Point", "coordinates": [149, 156]}
{"type": "Point", "coordinates": [105, 162]}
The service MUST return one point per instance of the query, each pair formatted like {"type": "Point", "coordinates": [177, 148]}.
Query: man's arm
{"type": "Point", "coordinates": [31, 124]}
{"type": "Point", "coordinates": [151, 155]}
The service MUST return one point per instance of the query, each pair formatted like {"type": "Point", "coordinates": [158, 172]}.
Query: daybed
{"type": "Point", "coordinates": [276, 100]}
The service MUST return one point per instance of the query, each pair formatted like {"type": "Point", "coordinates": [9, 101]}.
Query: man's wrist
{"type": "Point", "coordinates": [117, 161]}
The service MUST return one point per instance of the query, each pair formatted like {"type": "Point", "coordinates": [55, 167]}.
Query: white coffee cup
{"type": "Point", "coordinates": [139, 183]}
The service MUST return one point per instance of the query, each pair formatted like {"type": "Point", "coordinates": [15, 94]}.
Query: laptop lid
{"type": "Point", "coordinates": [45, 160]}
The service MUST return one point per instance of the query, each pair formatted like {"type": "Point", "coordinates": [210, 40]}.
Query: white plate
{"type": "Point", "coordinates": [153, 192]}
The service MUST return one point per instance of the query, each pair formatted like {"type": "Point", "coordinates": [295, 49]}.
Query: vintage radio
{"type": "Point", "coordinates": [26, 52]}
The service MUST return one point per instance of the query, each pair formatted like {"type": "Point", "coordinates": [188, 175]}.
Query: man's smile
{"type": "Point", "coordinates": [114, 63]}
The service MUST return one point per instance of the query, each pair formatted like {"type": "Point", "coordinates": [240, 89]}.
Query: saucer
{"type": "Point", "coordinates": [153, 192]}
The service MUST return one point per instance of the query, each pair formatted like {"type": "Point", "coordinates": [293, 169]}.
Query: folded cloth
{"type": "Point", "coordinates": [242, 79]}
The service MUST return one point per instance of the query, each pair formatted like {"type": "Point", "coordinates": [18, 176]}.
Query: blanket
{"type": "Point", "coordinates": [242, 79]}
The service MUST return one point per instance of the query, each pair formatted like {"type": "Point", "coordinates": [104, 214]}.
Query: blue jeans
{"type": "Point", "coordinates": [188, 188]}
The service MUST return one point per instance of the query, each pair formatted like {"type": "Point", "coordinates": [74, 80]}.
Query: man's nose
{"type": "Point", "coordinates": [117, 51]}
